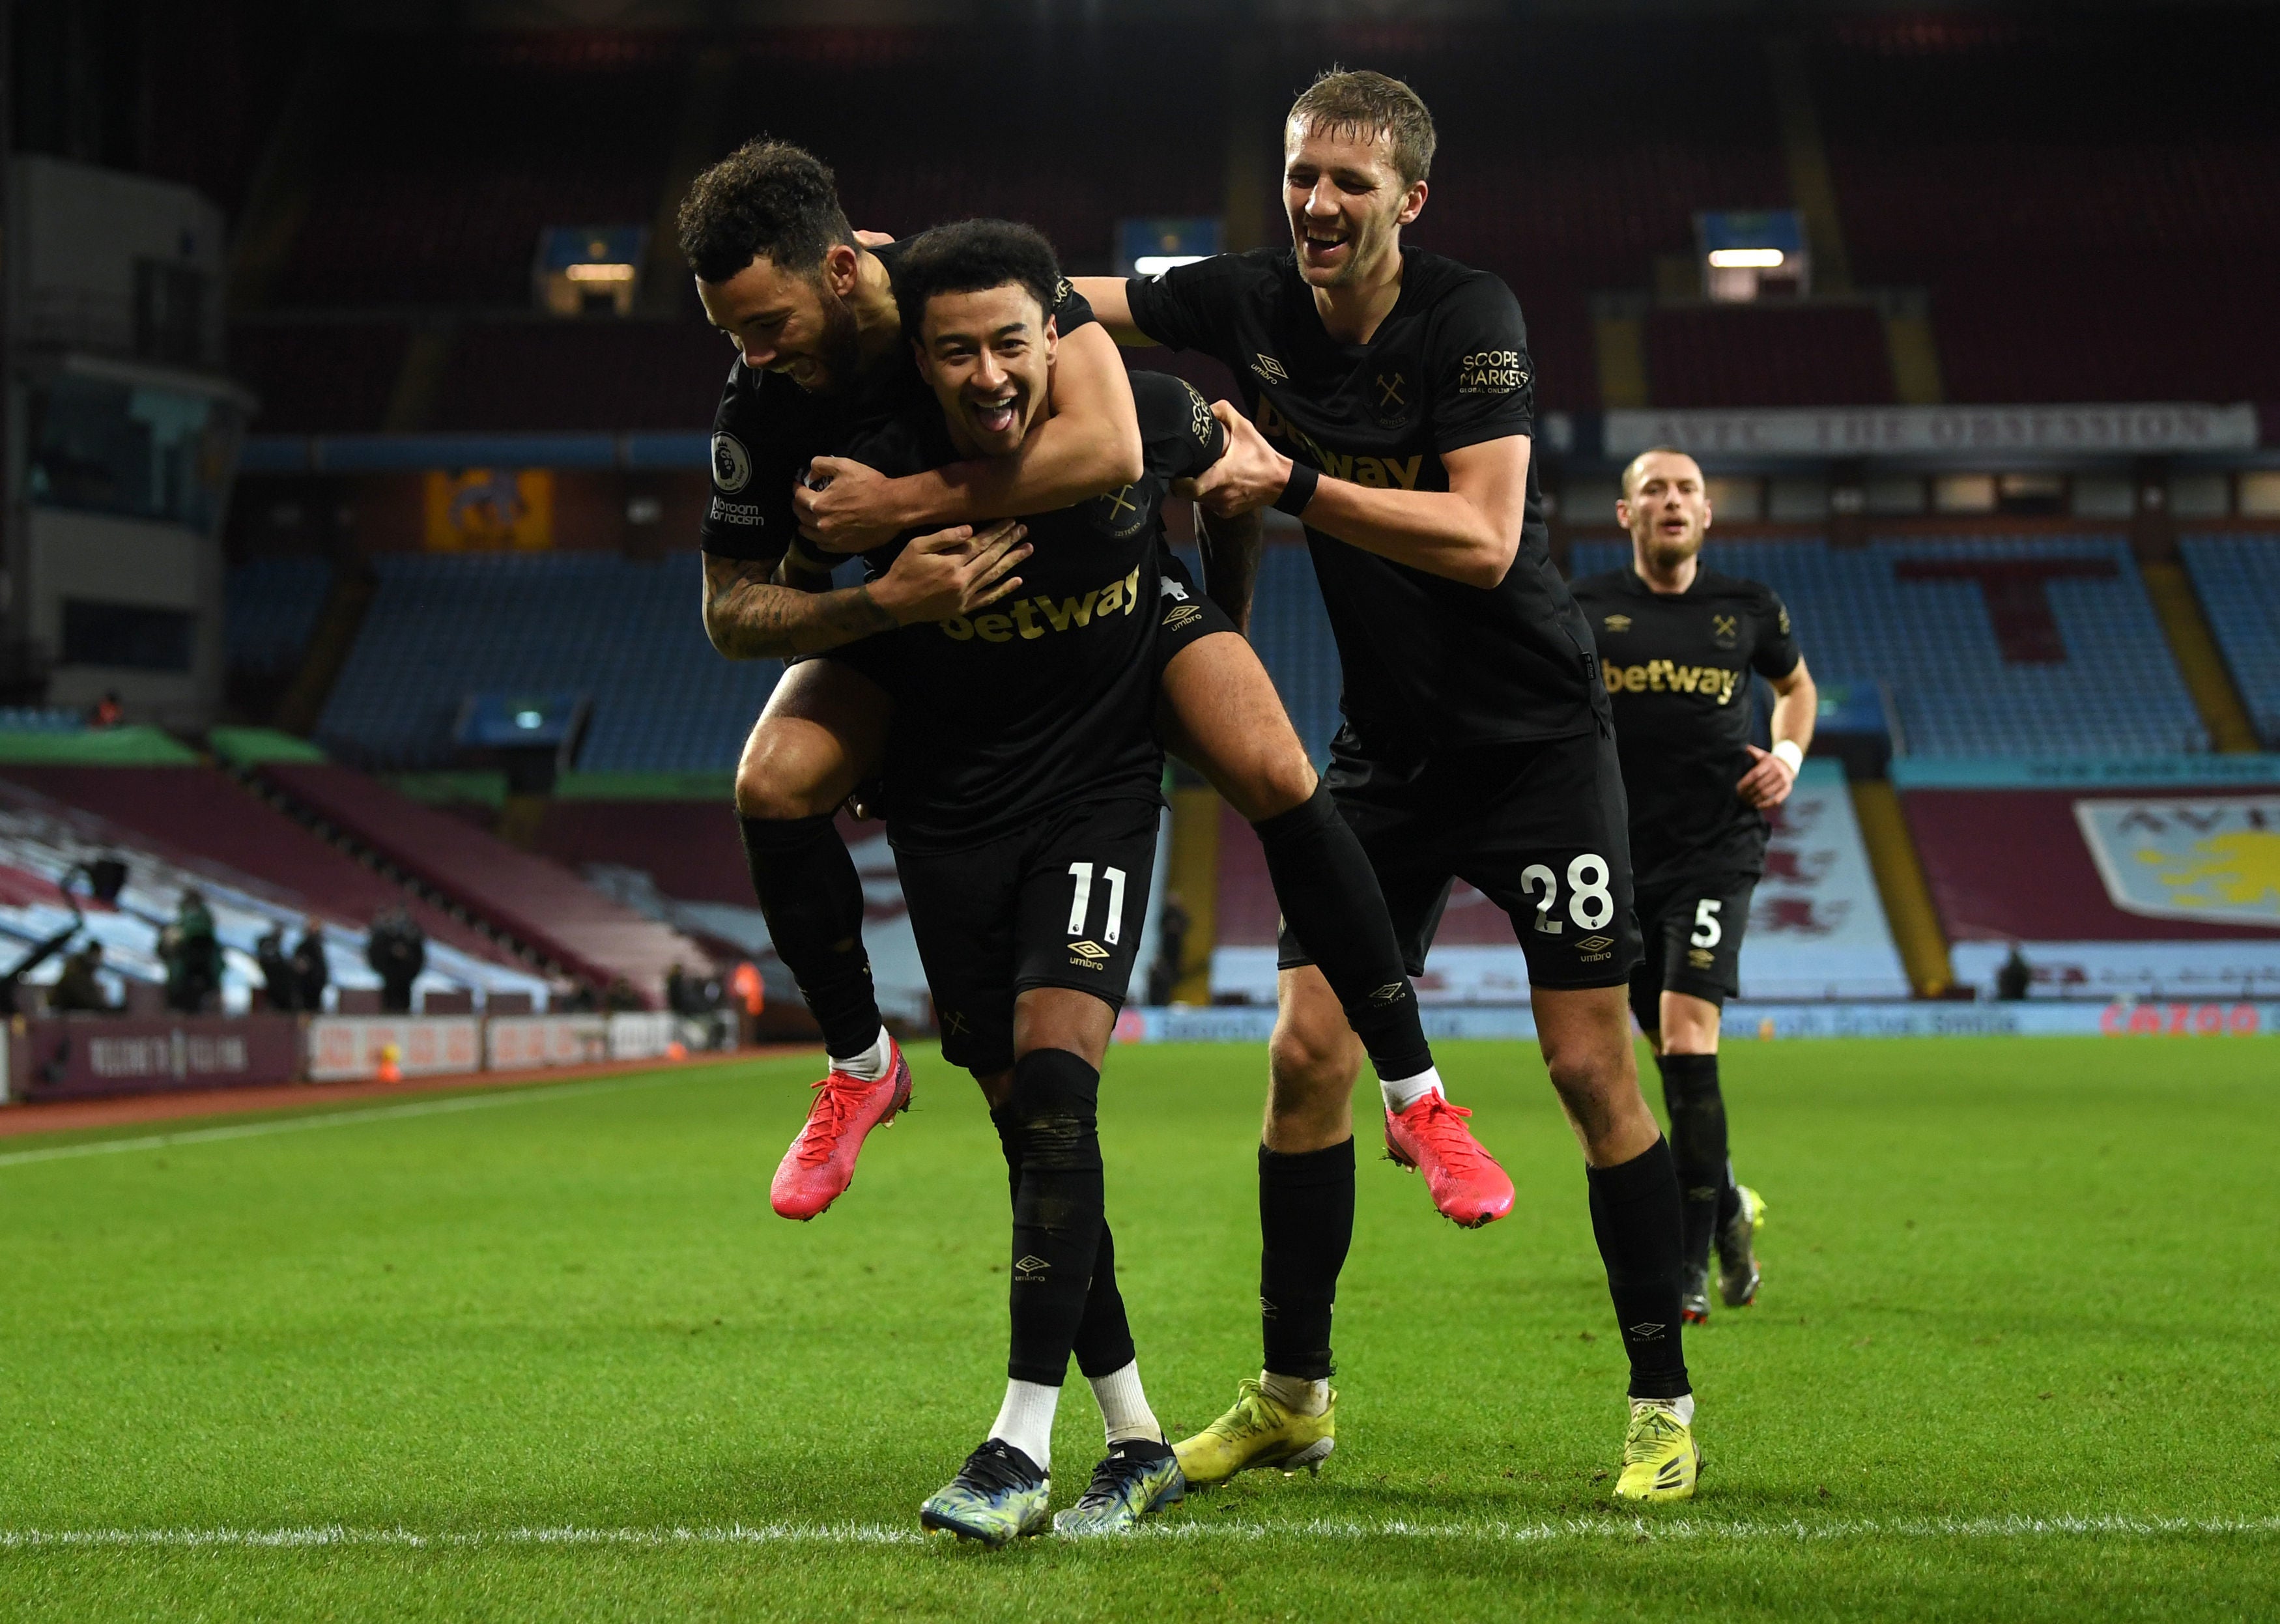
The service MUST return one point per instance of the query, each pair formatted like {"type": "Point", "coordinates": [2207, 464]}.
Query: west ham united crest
{"type": "Point", "coordinates": [1391, 400]}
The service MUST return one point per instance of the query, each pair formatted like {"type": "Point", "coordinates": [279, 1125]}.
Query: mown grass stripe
{"type": "Point", "coordinates": [1579, 1529]}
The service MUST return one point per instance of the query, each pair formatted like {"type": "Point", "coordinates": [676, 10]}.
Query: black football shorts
{"type": "Point", "coordinates": [1541, 828]}
{"type": "Point", "coordinates": [1693, 927]}
{"type": "Point", "coordinates": [1187, 615]}
{"type": "Point", "coordinates": [1059, 904]}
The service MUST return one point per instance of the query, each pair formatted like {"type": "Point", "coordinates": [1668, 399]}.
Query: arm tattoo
{"type": "Point", "coordinates": [750, 615]}
{"type": "Point", "coordinates": [1231, 548]}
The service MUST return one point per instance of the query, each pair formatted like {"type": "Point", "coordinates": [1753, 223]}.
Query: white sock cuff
{"type": "Point", "coordinates": [871, 1064]}
{"type": "Point", "coordinates": [1124, 1411]}
{"type": "Point", "coordinates": [1026, 1421]}
{"type": "Point", "coordinates": [1296, 1394]}
{"type": "Point", "coordinates": [1682, 1407]}
{"type": "Point", "coordinates": [1402, 1092]}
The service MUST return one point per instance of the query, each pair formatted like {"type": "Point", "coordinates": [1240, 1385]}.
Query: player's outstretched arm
{"type": "Point", "coordinates": [750, 615]}
{"type": "Point", "coordinates": [1112, 308]}
{"type": "Point", "coordinates": [1797, 706]}
{"type": "Point", "coordinates": [1468, 533]}
{"type": "Point", "coordinates": [1090, 446]}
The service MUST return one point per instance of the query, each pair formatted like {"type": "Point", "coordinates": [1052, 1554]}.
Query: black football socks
{"type": "Point", "coordinates": [1697, 1142]}
{"type": "Point", "coordinates": [1104, 1336]}
{"type": "Point", "coordinates": [1635, 1217]}
{"type": "Point", "coordinates": [812, 899]}
{"type": "Point", "coordinates": [1306, 1223]}
{"type": "Point", "coordinates": [1058, 1210]}
{"type": "Point", "coordinates": [1330, 899]}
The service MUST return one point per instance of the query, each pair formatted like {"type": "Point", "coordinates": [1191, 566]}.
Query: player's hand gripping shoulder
{"type": "Point", "coordinates": [1249, 474]}
{"type": "Point", "coordinates": [750, 614]}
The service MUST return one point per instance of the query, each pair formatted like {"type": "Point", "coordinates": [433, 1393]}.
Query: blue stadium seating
{"type": "Point", "coordinates": [1291, 631]}
{"type": "Point", "coordinates": [2238, 580]}
{"type": "Point", "coordinates": [1933, 644]}
{"type": "Point", "coordinates": [271, 608]}
{"type": "Point", "coordinates": [623, 632]}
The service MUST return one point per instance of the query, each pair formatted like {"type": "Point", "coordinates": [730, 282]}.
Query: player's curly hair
{"type": "Point", "coordinates": [969, 257]}
{"type": "Point", "coordinates": [767, 198]}
{"type": "Point", "coordinates": [1369, 104]}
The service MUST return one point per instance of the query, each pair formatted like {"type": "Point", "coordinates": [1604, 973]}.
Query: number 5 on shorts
{"type": "Point", "coordinates": [1080, 904]}
{"type": "Point", "coordinates": [1707, 931]}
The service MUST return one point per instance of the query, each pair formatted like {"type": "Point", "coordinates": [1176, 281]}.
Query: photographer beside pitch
{"type": "Point", "coordinates": [1678, 643]}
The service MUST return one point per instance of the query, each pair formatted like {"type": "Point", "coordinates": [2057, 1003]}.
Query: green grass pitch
{"type": "Point", "coordinates": [547, 1354]}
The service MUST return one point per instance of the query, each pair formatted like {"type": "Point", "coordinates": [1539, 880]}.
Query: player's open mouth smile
{"type": "Point", "coordinates": [995, 417]}
{"type": "Point", "coordinates": [1323, 246]}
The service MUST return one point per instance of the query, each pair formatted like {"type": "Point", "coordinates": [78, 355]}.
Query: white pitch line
{"type": "Point", "coordinates": [1576, 1529]}
{"type": "Point", "coordinates": [528, 1094]}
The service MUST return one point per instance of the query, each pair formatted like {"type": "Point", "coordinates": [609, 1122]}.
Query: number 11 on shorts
{"type": "Point", "coordinates": [1080, 904]}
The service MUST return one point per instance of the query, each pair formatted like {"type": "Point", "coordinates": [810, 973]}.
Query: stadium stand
{"type": "Point", "coordinates": [319, 376]}
{"type": "Point", "coordinates": [271, 609]}
{"type": "Point", "coordinates": [536, 901]}
{"type": "Point", "coordinates": [2237, 580]}
{"type": "Point", "coordinates": [445, 154]}
{"type": "Point", "coordinates": [2053, 652]}
{"type": "Point", "coordinates": [626, 633]}
{"type": "Point", "coordinates": [2088, 200]}
{"type": "Point", "coordinates": [1767, 355]}
{"type": "Point", "coordinates": [1292, 631]}
{"type": "Point", "coordinates": [50, 820]}
{"type": "Point", "coordinates": [608, 375]}
{"type": "Point", "coordinates": [203, 815]}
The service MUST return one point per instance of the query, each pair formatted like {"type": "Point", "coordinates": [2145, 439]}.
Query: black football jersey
{"type": "Point", "coordinates": [1046, 698]}
{"type": "Point", "coordinates": [1677, 666]}
{"type": "Point", "coordinates": [1430, 664]}
{"type": "Point", "coordinates": [767, 428]}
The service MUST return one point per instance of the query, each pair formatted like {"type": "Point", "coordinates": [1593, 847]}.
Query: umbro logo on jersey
{"type": "Point", "coordinates": [1617, 623]}
{"type": "Point", "coordinates": [1029, 1268]}
{"type": "Point", "coordinates": [1267, 368]}
{"type": "Point", "coordinates": [1595, 944]}
{"type": "Point", "coordinates": [1700, 957]}
{"type": "Point", "coordinates": [1182, 615]}
{"type": "Point", "coordinates": [1087, 955]}
{"type": "Point", "coordinates": [1389, 993]}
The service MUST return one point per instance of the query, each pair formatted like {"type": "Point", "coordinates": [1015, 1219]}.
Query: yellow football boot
{"type": "Point", "coordinates": [1660, 1459]}
{"type": "Point", "coordinates": [1258, 1432]}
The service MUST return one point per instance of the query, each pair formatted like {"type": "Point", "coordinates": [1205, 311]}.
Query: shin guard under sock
{"type": "Point", "coordinates": [1058, 1210]}
{"type": "Point", "coordinates": [812, 900]}
{"type": "Point", "coordinates": [1698, 1144]}
{"type": "Point", "coordinates": [1104, 1336]}
{"type": "Point", "coordinates": [1635, 1220]}
{"type": "Point", "coordinates": [1306, 1223]}
{"type": "Point", "coordinates": [1332, 903]}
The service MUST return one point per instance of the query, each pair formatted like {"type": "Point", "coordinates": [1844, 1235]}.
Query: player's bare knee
{"type": "Point", "coordinates": [770, 785]}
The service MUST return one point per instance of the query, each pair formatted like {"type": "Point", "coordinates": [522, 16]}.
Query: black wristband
{"type": "Point", "coordinates": [1299, 490]}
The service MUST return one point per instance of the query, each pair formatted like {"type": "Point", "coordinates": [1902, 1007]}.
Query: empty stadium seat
{"type": "Point", "coordinates": [270, 610]}
{"type": "Point", "coordinates": [1935, 647]}
{"type": "Point", "coordinates": [2237, 578]}
{"type": "Point", "coordinates": [626, 633]}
